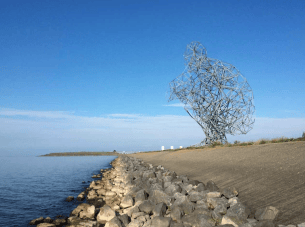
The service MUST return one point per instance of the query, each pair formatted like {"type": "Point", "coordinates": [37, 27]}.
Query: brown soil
{"type": "Point", "coordinates": [270, 174]}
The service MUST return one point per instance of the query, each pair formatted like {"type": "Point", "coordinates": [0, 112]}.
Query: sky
{"type": "Point", "coordinates": [94, 75]}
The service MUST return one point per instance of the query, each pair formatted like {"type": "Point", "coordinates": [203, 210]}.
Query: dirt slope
{"type": "Point", "coordinates": [264, 175]}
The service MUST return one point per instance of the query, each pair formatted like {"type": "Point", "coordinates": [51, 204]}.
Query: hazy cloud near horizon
{"type": "Point", "coordinates": [26, 132]}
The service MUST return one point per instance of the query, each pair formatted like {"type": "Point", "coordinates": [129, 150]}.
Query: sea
{"type": "Point", "coordinates": [31, 187]}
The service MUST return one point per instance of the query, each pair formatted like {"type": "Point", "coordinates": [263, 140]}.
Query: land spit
{"type": "Point", "coordinates": [81, 153]}
{"type": "Point", "coordinates": [134, 193]}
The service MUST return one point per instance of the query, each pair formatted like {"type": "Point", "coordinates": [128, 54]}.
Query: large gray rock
{"type": "Point", "coordinates": [201, 204]}
{"type": "Point", "coordinates": [186, 205]}
{"type": "Point", "coordinates": [200, 187]}
{"type": "Point", "coordinates": [198, 220]}
{"type": "Point", "coordinates": [79, 208]}
{"type": "Point", "coordinates": [220, 209]}
{"type": "Point", "coordinates": [159, 175]}
{"type": "Point", "coordinates": [36, 221]}
{"type": "Point", "coordinates": [213, 202]}
{"type": "Point", "coordinates": [267, 213]}
{"type": "Point", "coordinates": [114, 222]}
{"type": "Point", "coordinates": [211, 186]}
{"type": "Point", "coordinates": [187, 187]}
{"type": "Point", "coordinates": [48, 220]}
{"type": "Point", "coordinates": [184, 178]}
{"type": "Point", "coordinates": [194, 196]}
{"type": "Point", "coordinates": [167, 178]}
{"type": "Point", "coordinates": [194, 182]}
{"type": "Point", "coordinates": [60, 222]}
{"type": "Point", "coordinates": [137, 215]}
{"type": "Point", "coordinates": [92, 195]}
{"type": "Point", "coordinates": [73, 220]}
{"type": "Point", "coordinates": [161, 221]}
{"type": "Point", "coordinates": [265, 223]}
{"type": "Point", "coordinates": [127, 201]}
{"type": "Point", "coordinates": [233, 201]}
{"type": "Point", "coordinates": [203, 211]}
{"type": "Point", "coordinates": [160, 167]}
{"type": "Point", "coordinates": [133, 191]}
{"type": "Point", "coordinates": [130, 210]}
{"type": "Point", "coordinates": [190, 220]}
{"type": "Point", "coordinates": [46, 225]}
{"type": "Point", "coordinates": [69, 198]}
{"type": "Point", "coordinates": [179, 199]}
{"type": "Point", "coordinates": [217, 217]}
{"type": "Point", "coordinates": [153, 180]}
{"type": "Point", "coordinates": [77, 222]}
{"type": "Point", "coordinates": [176, 213]}
{"type": "Point", "coordinates": [81, 196]}
{"type": "Point", "coordinates": [159, 209]}
{"type": "Point", "coordinates": [177, 181]}
{"type": "Point", "coordinates": [205, 220]}
{"type": "Point", "coordinates": [159, 196]}
{"type": "Point", "coordinates": [96, 202]}
{"type": "Point", "coordinates": [105, 214]}
{"type": "Point", "coordinates": [229, 192]}
{"type": "Point", "coordinates": [110, 194]}
{"type": "Point", "coordinates": [112, 201]}
{"type": "Point", "coordinates": [170, 173]}
{"type": "Point", "coordinates": [135, 223]}
{"type": "Point", "coordinates": [141, 196]}
{"type": "Point", "coordinates": [146, 206]}
{"type": "Point", "coordinates": [174, 224]}
{"type": "Point", "coordinates": [156, 185]}
{"type": "Point", "coordinates": [239, 210]}
{"type": "Point", "coordinates": [87, 213]}
{"type": "Point", "coordinates": [167, 184]}
{"type": "Point", "coordinates": [124, 219]}
{"type": "Point", "coordinates": [178, 195]}
{"type": "Point", "coordinates": [172, 189]}
{"type": "Point", "coordinates": [143, 220]}
{"type": "Point", "coordinates": [149, 174]}
{"type": "Point", "coordinates": [232, 220]}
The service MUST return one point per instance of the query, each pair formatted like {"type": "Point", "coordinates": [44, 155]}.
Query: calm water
{"type": "Point", "coordinates": [31, 187]}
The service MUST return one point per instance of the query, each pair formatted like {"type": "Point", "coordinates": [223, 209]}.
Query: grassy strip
{"type": "Point", "coordinates": [238, 143]}
{"type": "Point", "coordinates": [215, 144]}
{"type": "Point", "coordinates": [258, 142]}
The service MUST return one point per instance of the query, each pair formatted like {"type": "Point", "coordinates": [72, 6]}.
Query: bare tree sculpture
{"type": "Point", "coordinates": [214, 94]}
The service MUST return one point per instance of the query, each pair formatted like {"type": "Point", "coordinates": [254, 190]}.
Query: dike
{"type": "Point", "coordinates": [137, 194]}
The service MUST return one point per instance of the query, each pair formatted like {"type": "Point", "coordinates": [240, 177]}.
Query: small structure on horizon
{"type": "Point", "coordinates": [172, 147]}
{"type": "Point", "coordinates": [162, 148]}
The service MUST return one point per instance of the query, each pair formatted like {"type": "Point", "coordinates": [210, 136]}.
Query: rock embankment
{"type": "Point", "coordinates": [138, 194]}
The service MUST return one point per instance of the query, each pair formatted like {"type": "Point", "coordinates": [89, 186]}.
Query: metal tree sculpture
{"type": "Point", "coordinates": [215, 95]}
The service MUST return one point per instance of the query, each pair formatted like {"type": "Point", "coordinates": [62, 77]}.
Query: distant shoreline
{"type": "Point", "coordinates": [81, 153]}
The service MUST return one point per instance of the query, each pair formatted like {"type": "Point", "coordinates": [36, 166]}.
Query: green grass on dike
{"type": "Point", "coordinates": [238, 143]}
{"type": "Point", "coordinates": [215, 144]}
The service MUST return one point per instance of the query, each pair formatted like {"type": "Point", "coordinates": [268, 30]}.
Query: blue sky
{"type": "Point", "coordinates": [93, 75]}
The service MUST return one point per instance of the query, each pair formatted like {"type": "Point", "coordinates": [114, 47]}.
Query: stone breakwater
{"type": "Point", "coordinates": [137, 194]}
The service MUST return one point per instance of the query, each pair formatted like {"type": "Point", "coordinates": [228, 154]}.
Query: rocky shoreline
{"type": "Point", "coordinates": [137, 194]}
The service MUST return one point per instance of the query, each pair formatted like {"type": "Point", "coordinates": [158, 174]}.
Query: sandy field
{"type": "Point", "coordinates": [270, 174]}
